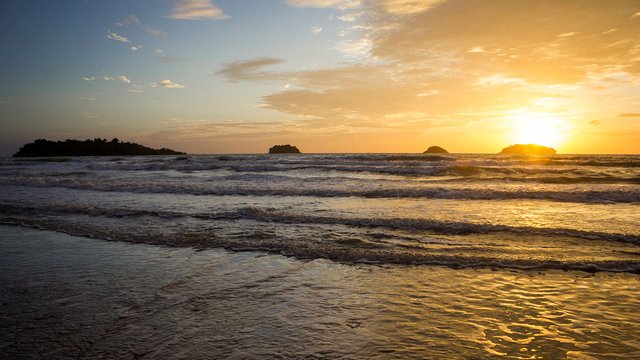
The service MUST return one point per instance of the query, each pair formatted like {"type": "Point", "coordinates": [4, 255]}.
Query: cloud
{"type": "Point", "coordinates": [436, 64]}
{"type": "Point", "coordinates": [88, 78]}
{"type": "Point", "coordinates": [168, 84]}
{"type": "Point", "coordinates": [247, 69]}
{"type": "Point", "coordinates": [116, 37]}
{"type": "Point", "coordinates": [355, 48]}
{"type": "Point", "coordinates": [134, 20]}
{"type": "Point", "coordinates": [86, 115]}
{"type": "Point", "coordinates": [341, 4]}
{"type": "Point", "coordinates": [477, 49]}
{"type": "Point", "coordinates": [162, 56]}
{"type": "Point", "coordinates": [444, 30]}
{"type": "Point", "coordinates": [629, 115]}
{"type": "Point", "coordinates": [196, 10]}
{"type": "Point", "coordinates": [405, 7]}
{"type": "Point", "coordinates": [107, 78]}
{"type": "Point", "coordinates": [136, 48]}
{"type": "Point", "coordinates": [595, 122]}
{"type": "Point", "coordinates": [316, 30]}
{"type": "Point", "coordinates": [124, 79]}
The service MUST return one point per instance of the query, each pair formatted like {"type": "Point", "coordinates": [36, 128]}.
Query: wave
{"type": "Point", "coordinates": [293, 218]}
{"type": "Point", "coordinates": [473, 170]}
{"type": "Point", "coordinates": [453, 173]}
{"type": "Point", "coordinates": [215, 188]}
{"type": "Point", "coordinates": [347, 250]}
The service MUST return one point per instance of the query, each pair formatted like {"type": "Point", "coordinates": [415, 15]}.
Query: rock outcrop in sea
{"type": "Point", "coordinates": [284, 149]}
{"type": "Point", "coordinates": [528, 149]}
{"type": "Point", "coordinates": [435, 150]}
{"type": "Point", "coordinates": [95, 147]}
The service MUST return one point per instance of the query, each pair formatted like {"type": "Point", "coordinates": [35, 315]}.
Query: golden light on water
{"type": "Point", "coordinates": [537, 128]}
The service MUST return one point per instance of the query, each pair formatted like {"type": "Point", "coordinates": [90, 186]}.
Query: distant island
{"type": "Point", "coordinates": [284, 149]}
{"type": "Point", "coordinates": [95, 147]}
{"type": "Point", "coordinates": [528, 149]}
{"type": "Point", "coordinates": [435, 150]}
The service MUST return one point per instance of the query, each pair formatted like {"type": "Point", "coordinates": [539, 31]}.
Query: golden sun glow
{"type": "Point", "coordinates": [537, 128]}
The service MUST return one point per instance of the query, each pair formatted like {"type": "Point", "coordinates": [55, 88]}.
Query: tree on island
{"type": "Point", "coordinates": [95, 147]}
{"type": "Point", "coordinates": [435, 150]}
{"type": "Point", "coordinates": [528, 149]}
{"type": "Point", "coordinates": [284, 149]}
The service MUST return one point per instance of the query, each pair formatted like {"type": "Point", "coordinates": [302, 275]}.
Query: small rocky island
{"type": "Point", "coordinates": [528, 149]}
{"type": "Point", "coordinates": [284, 149]}
{"type": "Point", "coordinates": [435, 150]}
{"type": "Point", "coordinates": [95, 147]}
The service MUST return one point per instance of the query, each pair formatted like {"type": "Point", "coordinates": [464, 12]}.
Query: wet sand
{"type": "Point", "coordinates": [73, 297]}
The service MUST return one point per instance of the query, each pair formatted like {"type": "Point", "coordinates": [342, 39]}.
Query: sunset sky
{"type": "Point", "coordinates": [238, 76]}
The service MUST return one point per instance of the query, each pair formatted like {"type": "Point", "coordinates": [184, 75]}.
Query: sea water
{"type": "Point", "coordinates": [560, 212]}
{"type": "Point", "coordinates": [320, 256]}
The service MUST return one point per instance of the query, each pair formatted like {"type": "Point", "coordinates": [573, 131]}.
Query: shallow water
{"type": "Point", "coordinates": [72, 297]}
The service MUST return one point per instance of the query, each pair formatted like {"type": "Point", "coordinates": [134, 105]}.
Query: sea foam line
{"type": "Point", "coordinates": [293, 218]}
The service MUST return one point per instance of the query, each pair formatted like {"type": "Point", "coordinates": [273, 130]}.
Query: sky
{"type": "Point", "coordinates": [238, 76]}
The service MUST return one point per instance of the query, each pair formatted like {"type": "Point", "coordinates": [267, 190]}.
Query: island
{"type": "Point", "coordinates": [95, 147]}
{"type": "Point", "coordinates": [284, 149]}
{"type": "Point", "coordinates": [528, 149]}
{"type": "Point", "coordinates": [435, 150]}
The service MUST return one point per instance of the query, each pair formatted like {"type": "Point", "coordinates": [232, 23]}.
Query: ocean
{"type": "Point", "coordinates": [361, 255]}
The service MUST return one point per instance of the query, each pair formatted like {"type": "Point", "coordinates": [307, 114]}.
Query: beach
{"type": "Point", "coordinates": [73, 297]}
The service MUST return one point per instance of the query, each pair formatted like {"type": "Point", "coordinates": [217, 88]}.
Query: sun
{"type": "Point", "coordinates": [537, 128]}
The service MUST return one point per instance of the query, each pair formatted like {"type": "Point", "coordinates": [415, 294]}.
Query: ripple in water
{"type": "Point", "coordinates": [70, 297]}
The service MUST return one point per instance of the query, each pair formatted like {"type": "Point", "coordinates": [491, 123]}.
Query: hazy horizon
{"type": "Point", "coordinates": [330, 76]}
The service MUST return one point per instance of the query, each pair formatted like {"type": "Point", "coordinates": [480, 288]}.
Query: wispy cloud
{"type": "Point", "coordinates": [168, 84]}
{"type": "Point", "coordinates": [350, 17]}
{"type": "Point", "coordinates": [630, 115]}
{"type": "Point", "coordinates": [316, 30]}
{"type": "Point", "coordinates": [355, 48]}
{"type": "Point", "coordinates": [341, 4]}
{"type": "Point", "coordinates": [135, 48]}
{"type": "Point", "coordinates": [406, 7]}
{"type": "Point", "coordinates": [116, 37]}
{"type": "Point", "coordinates": [166, 58]}
{"type": "Point", "coordinates": [247, 69]}
{"type": "Point", "coordinates": [124, 79]}
{"type": "Point", "coordinates": [89, 78]}
{"type": "Point", "coordinates": [134, 20]}
{"type": "Point", "coordinates": [87, 115]}
{"type": "Point", "coordinates": [196, 10]}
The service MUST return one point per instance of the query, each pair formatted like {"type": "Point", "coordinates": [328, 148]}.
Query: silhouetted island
{"type": "Point", "coordinates": [528, 149]}
{"type": "Point", "coordinates": [284, 149]}
{"type": "Point", "coordinates": [435, 150]}
{"type": "Point", "coordinates": [95, 147]}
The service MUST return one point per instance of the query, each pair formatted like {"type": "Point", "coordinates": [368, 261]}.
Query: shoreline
{"type": "Point", "coordinates": [75, 297]}
{"type": "Point", "coordinates": [589, 268]}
